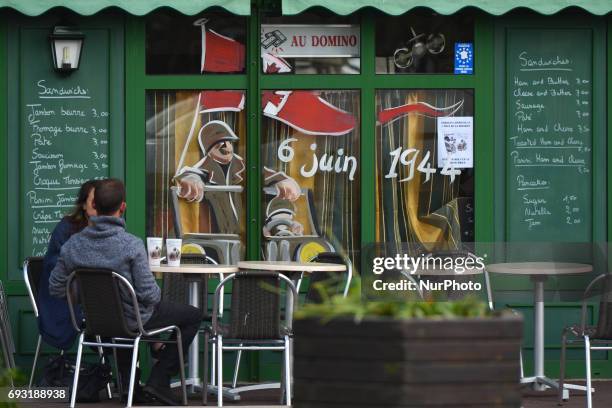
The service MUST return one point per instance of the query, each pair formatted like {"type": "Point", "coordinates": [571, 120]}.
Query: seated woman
{"type": "Point", "coordinates": [54, 319]}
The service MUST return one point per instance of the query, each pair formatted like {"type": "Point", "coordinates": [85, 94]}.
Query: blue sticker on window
{"type": "Point", "coordinates": [464, 58]}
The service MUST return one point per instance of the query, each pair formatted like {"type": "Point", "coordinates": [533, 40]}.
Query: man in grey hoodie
{"type": "Point", "coordinates": [105, 244]}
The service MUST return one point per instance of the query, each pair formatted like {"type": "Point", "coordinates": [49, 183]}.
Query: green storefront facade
{"type": "Point", "coordinates": [132, 98]}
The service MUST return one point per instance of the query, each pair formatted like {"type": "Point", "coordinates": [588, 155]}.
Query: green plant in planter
{"type": "Point", "coordinates": [8, 379]}
{"type": "Point", "coordinates": [353, 305]}
{"type": "Point", "coordinates": [384, 353]}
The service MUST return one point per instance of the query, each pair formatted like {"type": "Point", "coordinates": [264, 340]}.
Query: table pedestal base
{"type": "Point", "coordinates": [195, 387]}
{"type": "Point", "coordinates": [542, 383]}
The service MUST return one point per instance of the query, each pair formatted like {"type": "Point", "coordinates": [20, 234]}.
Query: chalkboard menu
{"type": "Point", "coordinates": [549, 116]}
{"type": "Point", "coordinates": [64, 131]}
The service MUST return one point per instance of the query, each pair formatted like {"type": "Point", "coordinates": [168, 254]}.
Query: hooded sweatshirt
{"type": "Point", "coordinates": [106, 245]}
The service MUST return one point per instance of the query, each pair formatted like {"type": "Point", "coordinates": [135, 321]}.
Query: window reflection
{"type": "Point", "coordinates": [422, 41]}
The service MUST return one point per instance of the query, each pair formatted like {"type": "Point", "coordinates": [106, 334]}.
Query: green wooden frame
{"type": "Point", "coordinates": [254, 81]}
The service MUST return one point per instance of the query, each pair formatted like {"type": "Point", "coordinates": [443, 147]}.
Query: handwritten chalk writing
{"type": "Point", "coordinates": [58, 120]}
{"type": "Point", "coordinates": [35, 200]}
{"type": "Point", "coordinates": [525, 183]}
{"type": "Point", "coordinates": [538, 107]}
{"type": "Point", "coordinates": [50, 91]}
{"type": "Point", "coordinates": [528, 61]}
{"type": "Point", "coordinates": [76, 129]}
{"type": "Point", "coordinates": [560, 92]}
{"type": "Point", "coordinates": [37, 155]}
{"type": "Point", "coordinates": [72, 112]}
{"type": "Point", "coordinates": [54, 130]}
{"type": "Point", "coordinates": [548, 134]}
{"type": "Point", "coordinates": [557, 81]}
{"type": "Point", "coordinates": [37, 110]}
{"type": "Point", "coordinates": [40, 140]}
{"type": "Point", "coordinates": [45, 182]}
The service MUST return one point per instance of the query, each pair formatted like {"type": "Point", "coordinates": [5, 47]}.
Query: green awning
{"type": "Point", "coordinates": [135, 7]}
{"type": "Point", "coordinates": [496, 7]}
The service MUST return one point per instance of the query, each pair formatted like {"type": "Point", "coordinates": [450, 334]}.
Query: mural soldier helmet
{"type": "Point", "coordinates": [214, 132]}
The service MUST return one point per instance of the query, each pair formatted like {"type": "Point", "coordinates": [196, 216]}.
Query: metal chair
{"type": "Point", "coordinates": [32, 272]}
{"type": "Point", "coordinates": [6, 334]}
{"type": "Point", "coordinates": [176, 288]}
{"type": "Point", "coordinates": [254, 324]}
{"type": "Point", "coordinates": [597, 337]}
{"type": "Point", "coordinates": [333, 284]}
{"type": "Point", "coordinates": [329, 281]}
{"type": "Point", "coordinates": [100, 293]}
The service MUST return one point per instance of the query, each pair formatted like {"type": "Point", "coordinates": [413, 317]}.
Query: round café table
{"type": "Point", "coordinates": [194, 270]}
{"type": "Point", "coordinates": [539, 273]}
{"type": "Point", "coordinates": [291, 268]}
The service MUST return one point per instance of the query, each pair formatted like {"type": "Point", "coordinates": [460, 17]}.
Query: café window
{"type": "Point", "coordinates": [424, 42]}
{"type": "Point", "coordinates": [195, 170]}
{"type": "Point", "coordinates": [425, 167]}
{"type": "Point", "coordinates": [310, 158]}
{"type": "Point", "coordinates": [213, 43]}
{"type": "Point", "coordinates": [310, 44]}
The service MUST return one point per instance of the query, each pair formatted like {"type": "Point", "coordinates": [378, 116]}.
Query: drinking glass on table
{"type": "Point", "coordinates": [173, 251]}
{"type": "Point", "coordinates": [154, 248]}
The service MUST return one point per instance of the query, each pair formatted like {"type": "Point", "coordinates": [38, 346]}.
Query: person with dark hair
{"type": "Point", "coordinates": [106, 245]}
{"type": "Point", "coordinates": [54, 318]}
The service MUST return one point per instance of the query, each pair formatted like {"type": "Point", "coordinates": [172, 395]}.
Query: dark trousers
{"type": "Point", "coordinates": [187, 318]}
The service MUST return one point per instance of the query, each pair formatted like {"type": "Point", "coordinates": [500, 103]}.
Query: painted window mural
{"type": "Point", "coordinates": [425, 167]}
{"type": "Point", "coordinates": [311, 43]}
{"type": "Point", "coordinates": [310, 154]}
{"type": "Point", "coordinates": [195, 148]}
{"type": "Point", "coordinates": [213, 43]}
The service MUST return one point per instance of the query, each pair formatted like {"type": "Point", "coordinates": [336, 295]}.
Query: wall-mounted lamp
{"type": "Point", "coordinates": [66, 48]}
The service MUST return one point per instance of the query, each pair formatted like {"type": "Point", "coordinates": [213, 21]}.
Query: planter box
{"type": "Point", "coordinates": [407, 363]}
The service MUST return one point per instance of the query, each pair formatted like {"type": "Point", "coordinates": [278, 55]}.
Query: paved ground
{"type": "Point", "coordinates": [602, 398]}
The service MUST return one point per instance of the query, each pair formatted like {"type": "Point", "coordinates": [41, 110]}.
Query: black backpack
{"type": "Point", "coordinates": [93, 377]}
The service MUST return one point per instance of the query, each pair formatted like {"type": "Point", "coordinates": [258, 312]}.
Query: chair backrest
{"type": "Point", "coordinates": [604, 321]}
{"type": "Point", "coordinates": [175, 286]}
{"type": "Point", "coordinates": [255, 310]}
{"type": "Point", "coordinates": [100, 293]}
{"type": "Point", "coordinates": [330, 283]}
{"type": "Point", "coordinates": [32, 271]}
{"type": "Point", "coordinates": [6, 334]}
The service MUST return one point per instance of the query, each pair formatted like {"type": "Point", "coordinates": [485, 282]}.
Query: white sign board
{"type": "Point", "coordinates": [313, 41]}
{"type": "Point", "coordinates": [456, 142]}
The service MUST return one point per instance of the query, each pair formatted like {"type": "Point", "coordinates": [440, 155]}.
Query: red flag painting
{"type": "Point", "coordinates": [307, 112]}
{"type": "Point", "coordinates": [221, 101]}
{"type": "Point", "coordinates": [220, 53]}
{"type": "Point", "coordinates": [420, 108]}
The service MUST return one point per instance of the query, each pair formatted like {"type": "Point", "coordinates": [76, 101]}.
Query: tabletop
{"type": "Point", "coordinates": [540, 268]}
{"type": "Point", "coordinates": [288, 266]}
{"type": "Point", "coordinates": [195, 268]}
